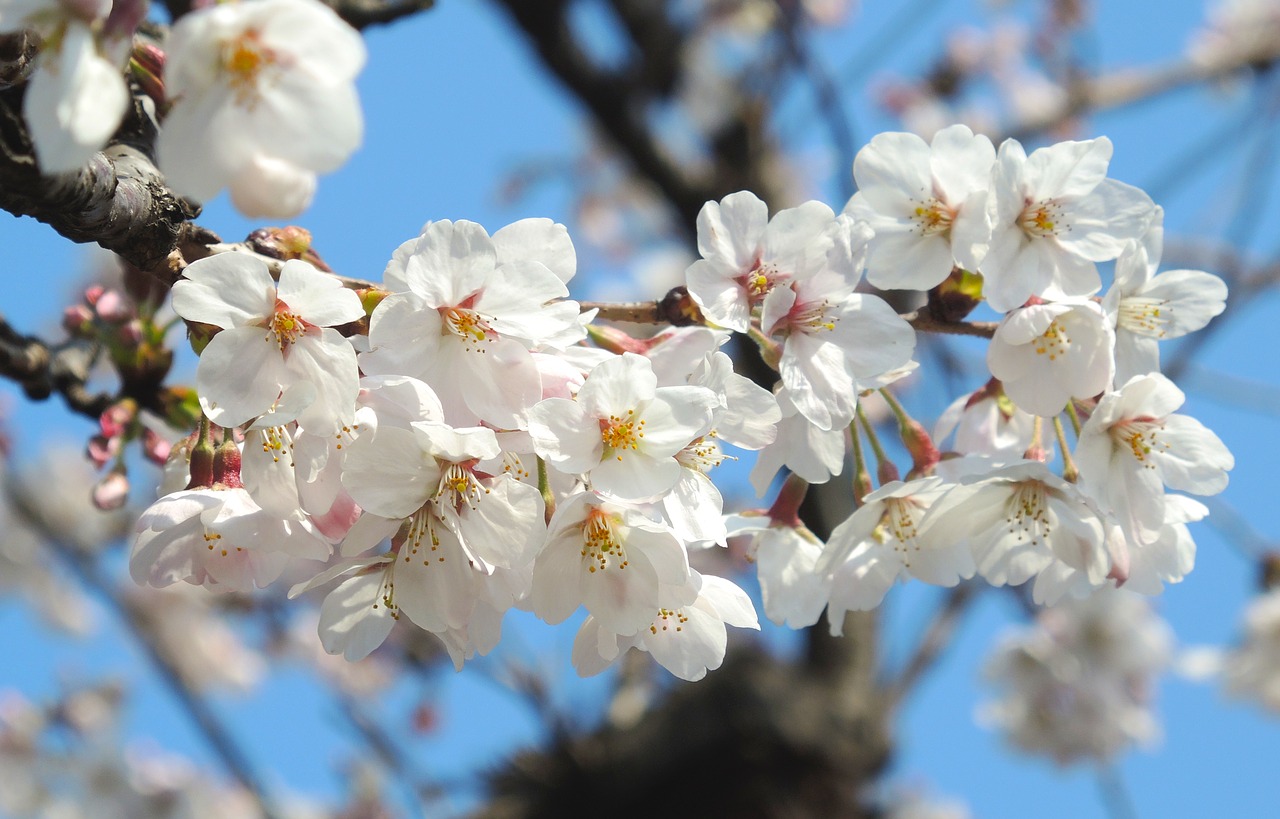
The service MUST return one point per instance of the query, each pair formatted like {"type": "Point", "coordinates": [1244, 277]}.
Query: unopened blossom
{"type": "Point", "coordinates": [263, 98]}
{"type": "Point", "coordinates": [688, 640]}
{"type": "Point", "coordinates": [1134, 445]}
{"type": "Point", "coordinates": [927, 204]}
{"type": "Point", "coordinates": [1148, 307]}
{"type": "Point", "coordinates": [611, 559]}
{"type": "Point", "coordinates": [1055, 213]}
{"type": "Point", "coordinates": [467, 323]}
{"type": "Point", "coordinates": [1047, 354]}
{"type": "Point", "coordinates": [1078, 685]}
{"type": "Point", "coordinates": [745, 254]}
{"type": "Point", "coordinates": [883, 542]}
{"type": "Point", "coordinates": [273, 340]}
{"type": "Point", "coordinates": [76, 96]}
{"type": "Point", "coordinates": [623, 430]}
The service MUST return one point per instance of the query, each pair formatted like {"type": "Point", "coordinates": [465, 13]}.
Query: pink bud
{"type": "Point", "coordinates": [76, 319]}
{"type": "Point", "coordinates": [102, 449]}
{"type": "Point", "coordinates": [112, 491]}
{"type": "Point", "coordinates": [116, 418]}
{"type": "Point", "coordinates": [92, 293]}
{"type": "Point", "coordinates": [131, 332]}
{"type": "Point", "coordinates": [112, 306]}
{"type": "Point", "coordinates": [156, 449]}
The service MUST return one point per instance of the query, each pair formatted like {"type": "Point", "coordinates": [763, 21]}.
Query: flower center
{"type": "Point", "coordinates": [244, 58]}
{"type": "Point", "coordinates": [702, 455]}
{"type": "Point", "coordinates": [277, 442]}
{"type": "Point", "coordinates": [421, 540]}
{"type": "Point", "coordinates": [1026, 513]}
{"type": "Point", "coordinates": [459, 486]}
{"type": "Point", "coordinates": [1053, 342]}
{"type": "Point", "coordinates": [469, 326]}
{"type": "Point", "coordinates": [1041, 218]}
{"type": "Point", "coordinates": [760, 281]}
{"type": "Point", "coordinates": [621, 432]}
{"type": "Point", "coordinates": [286, 325]}
{"type": "Point", "coordinates": [1142, 437]}
{"type": "Point", "coordinates": [601, 547]}
{"type": "Point", "coordinates": [933, 217]}
{"type": "Point", "coordinates": [669, 619]}
{"type": "Point", "coordinates": [810, 319]}
{"type": "Point", "coordinates": [1146, 317]}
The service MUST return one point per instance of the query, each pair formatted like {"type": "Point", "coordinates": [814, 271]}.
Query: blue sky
{"type": "Point", "coordinates": [454, 101]}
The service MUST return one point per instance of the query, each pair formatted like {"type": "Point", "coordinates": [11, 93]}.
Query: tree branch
{"type": "Point", "coordinates": [1129, 87]}
{"type": "Point", "coordinates": [118, 199]}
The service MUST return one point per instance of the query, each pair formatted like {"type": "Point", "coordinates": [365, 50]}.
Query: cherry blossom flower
{"type": "Point", "coordinates": [833, 340]}
{"type": "Point", "coordinates": [610, 558]}
{"type": "Point", "coordinates": [688, 641]}
{"type": "Point", "coordinates": [802, 447]}
{"type": "Point", "coordinates": [745, 253]}
{"type": "Point", "coordinates": [986, 422]}
{"type": "Point", "coordinates": [1146, 308]}
{"type": "Point", "coordinates": [1055, 213]}
{"type": "Point", "coordinates": [1133, 445]}
{"type": "Point", "coordinates": [786, 557]}
{"type": "Point", "coordinates": [883, 542]}
{"type": "Point", "coordinates": [623, 430]}
{"type": "Point", "coordinates": [926, 203]}
{"type": "Point", "coordinates": [1252, 668]}
{"type": "Point", "coordinates": [467, 324]}
{"type": "Point", "coordinates": [430, 471]}
{"type": "Point", "coordinates": [263, 99]}
{"type": "Point", "coordinates": [273, 340]}
{"type": "Point", "coordinates": [1172, 555]}
{"type": "Point", "coordinates": [1047, 354]}
{"type": "Point", "coordinates": [1022, 521]}
{"type": "Point", "coordinates": [217, 537]}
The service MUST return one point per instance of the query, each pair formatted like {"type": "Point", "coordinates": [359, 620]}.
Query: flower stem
{"type": "Point", "coordinates": [544, 487]}
{"type": "Point", "coordinates": [1069, 471]}
{"type": "Point", "coordinates": [861, 478]}
{"type": "Point", "coordinates": [886, 472]}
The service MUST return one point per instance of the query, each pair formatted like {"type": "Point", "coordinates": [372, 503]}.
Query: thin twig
{"type": "Point", "coordinates": [937, 637]}
{"type": "Point", "coordinates": [216, 734]}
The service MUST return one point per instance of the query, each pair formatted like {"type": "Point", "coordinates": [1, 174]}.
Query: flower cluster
{"type": "Point", "coordinates": [465, 438]}
{"type": "Point", "coordinates": [255, 96]}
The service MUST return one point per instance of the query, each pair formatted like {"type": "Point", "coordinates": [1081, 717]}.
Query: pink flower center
{"type": "Point", "coordinates": [469, 326]}
{"type": "Point", "coordinates": [286, 325]}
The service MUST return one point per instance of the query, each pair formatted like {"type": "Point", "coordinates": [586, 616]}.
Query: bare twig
{"type": "Point", "coordinates": [216, 734]}
{"type": "Point", "coordinates": [936, 638]}
{"type": "Point", "coordinates": [1133, 86]}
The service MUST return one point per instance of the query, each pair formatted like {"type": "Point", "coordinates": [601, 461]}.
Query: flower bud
{"type": "Point", "coordinates": [112, 491]}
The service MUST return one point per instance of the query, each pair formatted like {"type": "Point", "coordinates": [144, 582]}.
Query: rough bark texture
{"type": "Point", "coordinates": [118, 200]}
